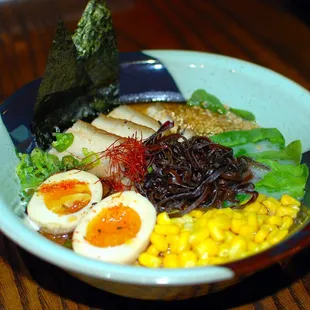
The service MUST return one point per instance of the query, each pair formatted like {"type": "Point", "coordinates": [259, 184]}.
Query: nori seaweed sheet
{"type": "Point", "coordinates": [95, 41]}
{"type": "Point", "coordinates": [81, 77]}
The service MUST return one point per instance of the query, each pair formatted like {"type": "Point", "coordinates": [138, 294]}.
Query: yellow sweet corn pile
{"type": "Point", "coordinates": [218, 236]}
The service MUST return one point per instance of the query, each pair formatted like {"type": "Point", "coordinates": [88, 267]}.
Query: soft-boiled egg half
{"type": "Point", "coordinates": [63, 199]}
{"type": "Point", "coordinates": [117, 229]}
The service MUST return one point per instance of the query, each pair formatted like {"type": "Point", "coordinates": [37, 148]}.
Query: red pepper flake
{"type": "Point", "coordinates": [63, 185]}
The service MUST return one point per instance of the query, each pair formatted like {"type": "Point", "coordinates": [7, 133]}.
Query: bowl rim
{"type": "Point", "coordinates": [70, 261]}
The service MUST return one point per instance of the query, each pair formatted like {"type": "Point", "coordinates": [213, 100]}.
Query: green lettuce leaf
{"type": "Point", "coordinates": [249, 116]}
{"type": "Point", "coordinates": [292, 153]}
{"type": "Point", "coordinates": [289, 179]}
{"type": "Point", "coordinates": [206, 100]}
{"type": "Point", "coordinates": [253, 148]}
{"type": "Point", "coordinates": [238, 137]}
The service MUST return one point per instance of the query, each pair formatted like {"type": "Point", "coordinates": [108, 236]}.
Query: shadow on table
{"type": "Point", "coordinates": [265, 283]}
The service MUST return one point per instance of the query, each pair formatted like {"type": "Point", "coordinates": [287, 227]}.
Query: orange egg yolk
{"type": "Point", "coordinates": [113, 226]}
{"type": "Point", "coordinates": [66, 197]}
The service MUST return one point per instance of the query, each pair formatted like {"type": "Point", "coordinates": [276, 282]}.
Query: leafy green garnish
{"type": "Point", "coordinates": [242, 198]}
{"type": "Point", "coordinates": [289, 179]}
{"type": "Point", "coordinates": [292, 152]}
{"type": "Point", "coordinates": [238, 137]}
{"type": "Point", "coordinates": [149, 169]}
{"type": "Point", "coordinates": [227, 204]}
{"type": "Point", "coordinates": [267, 146]}
{"type": "Point", "coordinates": [69, 162]}
{"type": "Point", "coordinates": [63, 141]}
{"type": "Point", "coordinates": [68, 244]}
{"type": "Point", "coordinates": [34, 168]}
{"type": "Point", "coordinates": [206, 100]}
{"type": "Point", "coordinates": [91, 158]}
{"type": "Point", "coordinates": [249, 116]}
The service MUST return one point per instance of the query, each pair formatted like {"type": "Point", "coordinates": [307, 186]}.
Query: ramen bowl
{"type": "Point", "coordinates": [163, 75]}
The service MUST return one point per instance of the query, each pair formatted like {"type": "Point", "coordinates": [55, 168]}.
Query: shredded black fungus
{"type": "Point", "coordinates": [185, 174]}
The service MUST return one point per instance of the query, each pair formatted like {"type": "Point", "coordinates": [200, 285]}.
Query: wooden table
{"type": "Point", "coordinates": [253, 30]}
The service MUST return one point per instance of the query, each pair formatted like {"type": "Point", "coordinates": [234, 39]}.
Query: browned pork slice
{"type": "Point", "coordinates": [127, 113]}
{"type": "Point", "coordinates": [159, 113]}
{"type": "Point", "coordinates": [87, 140]}
{"type": "Point", "coordinates": [121, 127]}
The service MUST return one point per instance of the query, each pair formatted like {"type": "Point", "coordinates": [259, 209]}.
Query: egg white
{"type": "Point", "coordinates": [128, 252]}
{"type": "Point", "coordinates": [54, 223]}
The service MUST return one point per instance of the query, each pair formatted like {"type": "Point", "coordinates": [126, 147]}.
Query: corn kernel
{"type": "Point", "coordinates": [227, 211]}
{"type": "Point", "coordinates": [210, 213]}
{"type": "Point", "coordinates": [188, 227]}
{"type": "Point", "coordinates": [217, 260]}
{"type": "Point", "coordinates": [271, 204]}
{"type": "Point", "coordinates": [222, 221]}
{"type": "Point", "coordinates": [287, 211]}
{"type": "Point", "coordinates": [187, 218]}
{"type": "Point", "coordinates": [264, 246]}
{"type": "Point", "coordinates": [215, 231]}
{"type": "Point", "coordinates": [196, 213]}
{"type": "Point", "coordinates": [261, 197]}
{"type": "Point", "coordinates": [198, 236]}
{"type": "Point", "coordinates": [262, 234]}
{"type": "Point", "coordinates": [287, 222]}
{"type": "Point", "coordinates": [253, 220]}
{"type": "Point", "coordinates": [274, 220]}
{"type": "Point", "coordinates": [152, 250]}
{"type": "Point", "coordinates": [167, 229]}
{"type": "Point", "coordinates": [201, 222]}
{"type": "Point", "coordinates": [253, 247]}
{"type": "Point", "coordinates": [278, 236]}
{"type": "Point", "coordinates": [228, 235]}
{"type": "Point", "coordinates": [238, 246]}
{"type": "Point", "coordinates": [262, 210]}
{"type": "Point", "coordinates": [288, 200]}
{"type": "Point", "coordinates": [177, 221]}
{"type": "Point", "coordinates": [203, 261]}
{"type": "Point", "coordinates": [148, 260]}
{"type": "Point", "coordinates": [174, 248]}
{"type": "Point", "coordinates": [163, 218]}
{"type": "Point", "coordinates": [253, 207]}
{"type": "Point", "coordinates": [236, 223]}
{"type": "Point", "coordinates": [247, 231]}
{"type": "Point", "coordinates": [172, 239]}
{"type": "Point", "coordinates": [238, 214]}
{"type": "Point", "coordinates": [261, 218]}
{"type": "Point", "coordinates": [223, 249]}
{"type": "Point", "coordinates": [270, 227]}
{"type": "Point", "coordinates": [188, 259]}
{"type": "Point", "coordinates": [271, 236]}
{"type": "Point", "coordinates": [243, 255]}
{"type": "Point", "coordinates": [183, 242]}
{"type": "Point", "coordinates": [171, 261]}
{"type": "Point", "coordinates": [206, 248]}
{"type": "Point", "coordinates": [159, 241]}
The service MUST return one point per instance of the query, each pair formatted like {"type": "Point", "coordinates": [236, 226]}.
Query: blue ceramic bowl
{"type": "Point", "coordinates": [162, 76]}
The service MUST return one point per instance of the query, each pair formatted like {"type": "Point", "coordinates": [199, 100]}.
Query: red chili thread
{"type": "Point", "coordinates": [127, 160]}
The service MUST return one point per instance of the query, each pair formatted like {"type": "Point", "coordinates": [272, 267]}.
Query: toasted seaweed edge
{"type": "Point", "coordinates": [78, 85]}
